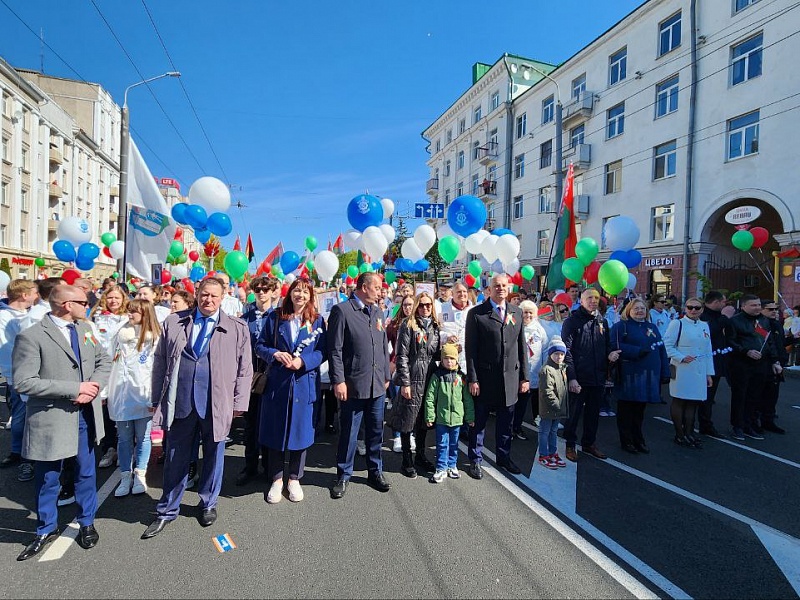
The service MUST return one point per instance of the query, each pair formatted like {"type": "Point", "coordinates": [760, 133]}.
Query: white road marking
{"type": "Point", "coordinates": [795, 406]}
{"type": "Point", "coordinates": [58, 548]}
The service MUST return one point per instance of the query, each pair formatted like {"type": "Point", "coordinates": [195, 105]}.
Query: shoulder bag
{"type": "Point", "coordinates": [261, 370]}
{"type": "Point", "coordinates": [673, 369]}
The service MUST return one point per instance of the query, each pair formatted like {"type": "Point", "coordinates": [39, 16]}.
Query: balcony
{"type": "Point", "coordinates": [56, 158]}
{"type": "Point", "coordinates": [487, 155]}
{"type": "Point", "coordinates": [52, 224]}
{"type": "Point", "coordinates": [432, 187]}
{"type": "Point", "coordinates": [579, 155]}
{"type": "Point", "coordinates": [56, 191]}
{"type": "Point", "coordinates": [114, 191]}
{"type": "Point", "coordinates": [487, 190]}
{"type": "Point", "coordinates": [578, 109]}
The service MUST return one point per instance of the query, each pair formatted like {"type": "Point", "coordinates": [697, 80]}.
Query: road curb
{"type": "Point", "coordinates": [793, 372]}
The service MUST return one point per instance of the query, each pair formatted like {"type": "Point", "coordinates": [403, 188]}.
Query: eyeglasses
{"type": "Point", "coordinates": [658, 302]}
{"type": "Point", "coordinates": [81, 302]}
{"type": "Point", "coordinates": [563, 310]}
{"type": "Point", "coordinates": [770, 308]}
{"type": "Point", "coordinates": [693, 307]}
{"type": "Point", "coordinates": [258, 290]}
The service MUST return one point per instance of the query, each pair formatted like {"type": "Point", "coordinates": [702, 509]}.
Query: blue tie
{"type": "Point", "coordinates": [76, 347]}
{"type": "Point", "coordinates": [199, 343]}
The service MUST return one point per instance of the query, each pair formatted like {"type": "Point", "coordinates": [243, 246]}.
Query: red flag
{"type": "Point", "coordinates": [567, 236]}
{"type": "Point", "coordinates": [330, 247]}
{"type": "Point", "coordinates": [761, 331]}
{"type": "Point", "coordinates": [266, 265]}
{"type": "Point", "coordinates": [338, 245]}
{"type": "Point", "coordinates": [237, 245]}
{"type": "Point", "coordinates": [248, 249]}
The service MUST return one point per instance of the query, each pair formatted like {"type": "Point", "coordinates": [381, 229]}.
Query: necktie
{"type": "Point", "coordinates": [500, 311]}
{"type": "Point", "coordinates": [76, 347]}
{"type": "Point", "coordinates": [200, 341]}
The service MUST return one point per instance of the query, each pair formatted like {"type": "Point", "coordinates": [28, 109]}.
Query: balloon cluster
{"type": "Point", "coordinates": [74, 244]}
{"type": "Point", "coordinates": [746, 239]}
{"type": "Point", "coordinates": [206, 212]}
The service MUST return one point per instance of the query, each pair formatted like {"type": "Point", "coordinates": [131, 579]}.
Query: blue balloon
{"type": "Point", "coordinates": [466, 215]}
{"type": "Point", "coordinates": [363, 211]}
{"type": "Point", "coordinates": [195, 216]}
{"type": "Point", "coordinates": [202, 235]}
{"type": "Point", "coordinates": [499, 232]}
{"type": "Point", "coordinates": [84, 264]}
{"type": "Point", "coordinates": [179, 213]}
{"type": "Point", "coordinates": [197, 273]}
{"type": "Point", "coordinates": [422, 265]}
{"type": "Point", "coordinates": [403, 264]}
{"type": "Point", "coordinates": [290, 261]}
{"type": "Point", "coordinates": [619, 255]}
{"type": "Point", "coordinates": [632, 258]}
{"type": "Point", "coordinates": [64, 250]}
{"type": "Point", "coordinates": [88, 251]}
{"type": "Point", "coordinates": [219, 224]}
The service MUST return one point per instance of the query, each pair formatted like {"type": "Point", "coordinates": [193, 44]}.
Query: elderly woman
{"type": "Point", "coordinates": [418, 346]}
{"type": "Point", "coordinates": [642, 368]}
{"type": "Point", "coordinates": [536, 340]}
{"type": "Point", "coordinates": [688, 345]}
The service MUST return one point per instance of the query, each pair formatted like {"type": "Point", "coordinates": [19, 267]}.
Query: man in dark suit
{"type": "Point", "coordinates": [358, 358]}
{"type": "Point", "coordinates": [497, 370]}
{"type": "Point", "coordinates": [61, 366]}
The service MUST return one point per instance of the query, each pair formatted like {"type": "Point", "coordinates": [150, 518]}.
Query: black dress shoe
{"type": "Point", "coordinates": [330, 429]}
{"type": "Point", "coordinates": [9, 461]}
{"type": "Point", "coordinates": [245, 477]}
{"type": "Point", "coordinates": [475, 471]}
{"type": "Point", "coordinates": [642, 448]}
{"type": "Point", "coordinates": [207, 517]}
{"type": "Point", "coordinates": [339, 488]}
{"type": "Point", "coordinates": [520, 435]}
{"type": "Point", "coordinates": [88, 537]}
{"type": "Point", "coordinates": [39, 543]}
{"type": "Point", "coordinates": [773, 428]}
{"type": "Point", "coordinates": [510, 466]}
{"type": "Point", "coordinates": [630, 448]}
{"type": "Point", "coordinates": [154, 528]}
{"type": "Point", "coordinates": [378, 481]}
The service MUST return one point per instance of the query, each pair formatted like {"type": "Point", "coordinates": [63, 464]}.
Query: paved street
{"type": "Point", "coordinates": [714, 523]}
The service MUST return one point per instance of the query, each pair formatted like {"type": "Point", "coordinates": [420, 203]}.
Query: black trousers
{"type": "Point", "coordinates": [746, 381]}
{"type": "Point", "coordinates": [276, 460]}
{"type": "Point", "coordinates": [587, 403]}
{"type": "Point", "coordinates": [630, 418]}
{"type": "Point", "coordinates": [331, 406]}
{"type": "Point", "coordinates": [705, 408]}
{"type": "Point", "coordinates": [769, 400]}
{"type": "Point", "coordinates": [252, 449]}
{"type": "Point", "coordinates": [110, 439]}
{"type": "Point", "coordinates": [530, 397]}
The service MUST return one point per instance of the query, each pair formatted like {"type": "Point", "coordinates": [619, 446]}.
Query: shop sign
{"type": "Point", "coordinates": [659, 261]}
{"type": "Point", "coordinates": [742, 214]}
{"type": "Point", "coordinates": [18, 260]}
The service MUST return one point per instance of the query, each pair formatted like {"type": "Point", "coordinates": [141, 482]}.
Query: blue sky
{"type": "Point", "coordinates": [306, 104]}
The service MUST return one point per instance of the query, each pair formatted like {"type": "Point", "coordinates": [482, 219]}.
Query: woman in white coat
{"type": "Point", "coordinates": [688, 345]}
{"type": "Point", "coordinates": [536, 341]}
{"type": "Point", "coordinates": [129, 402]}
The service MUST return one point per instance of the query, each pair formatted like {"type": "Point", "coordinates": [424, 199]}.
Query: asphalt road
{"type": "Point", "coordinates": [678, 522]}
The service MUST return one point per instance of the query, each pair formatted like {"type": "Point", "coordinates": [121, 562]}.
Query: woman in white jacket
{"type": "Point", "coordinates": [536, 340]}
{"type": "Point", "coordinates": [129, 393]}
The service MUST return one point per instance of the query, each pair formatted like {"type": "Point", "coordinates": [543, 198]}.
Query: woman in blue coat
{"type": "Point", "coordinates": [643, 367]}
{"type": "Point", "coordinates": [292, 342]}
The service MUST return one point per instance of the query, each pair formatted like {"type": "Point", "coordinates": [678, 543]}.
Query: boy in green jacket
{"type": "Point", "coordinates": [449, 404]}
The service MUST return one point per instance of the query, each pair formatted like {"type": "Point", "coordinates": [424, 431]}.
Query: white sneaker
{"type": "Point", "coordinates": [537, 421]}
{"type": "Point", "coordinates": [560, 426]}
{"type": "Point", "coordinates": [139, 483]}
{"type": "Point", "coordinates": [453, 473]}
{"type": "Point", "coordinates": [295, 491]}
{"type": "Point", "coordinates": [397, 445]}
{"type": "Point", "coordinates": [413, 442]}
{"type": "Point", "coordinates": [109, 458]}
{"type": "Point", "coordinates": [439, 476]}
{"type": "Point", "coordinates": [124, 487]}
{"type": "Point", "coordinates": [275, 492]}
{"type": "Point", "coordinates": [361, 448]}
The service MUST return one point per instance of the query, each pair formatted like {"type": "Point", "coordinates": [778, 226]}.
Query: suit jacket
{"type": "Point", "coordinates": [231, 368]}
{"type": "Point", "coordinates": [358, 350]}
{"type": "Point", "coordinates": [45, 368]}
{"type": "Point", "coordinates": [496, 353]}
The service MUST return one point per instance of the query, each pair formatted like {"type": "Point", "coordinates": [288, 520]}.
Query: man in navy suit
{"type": "Point", "coordinates": [497, 370]}
{"type": "Point", "coordinates": [358, 358]}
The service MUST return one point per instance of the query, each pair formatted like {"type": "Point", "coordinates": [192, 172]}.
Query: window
{"type": "Point", "coordinates": [476, 149]}
{"type": "Point", "coordinates": [462, 125]}
{"type": "Point", "coordinates": [669, 34]}
{"type": "Point", "coordinates": [519, 207]}
{"type": "Point", "coordinates": [6, 105]}
{"type": "Point", "coordinates": [446, 198]}
{"type": "Point", "coordinates": [448, 136]}
{"type": "Point", "coordinates": [460, 160]}
{"type": "Point", "coordinates": [459, 189]}
{"type": "Point", "coordinates": [26, 120]}
{"type": "Point", "coordinates": [23, 238]}
{"type": "Point", "coordinates": [617, 66]}
{"type": "Point", "coordinates": [613, 177]}
{"type": "Point", "coordinates": [438, 145]}
{"type": "Point", "coordinates": [664, 160]}
{"type": "Point", "coordinates": [746, 59]}
{"type": "Point", "coordinates": [519, 166]}
{"type": "Point", "coordinates": [495, 101]}
{"type": "Point", "coordinates": [576, 135]}
{"type": "Point", "coordinates": [492, 174]}
{"type": "Point", "coordinates": [667, 96]}
{"type": "Point", "coordinates": [490, 212]}
{"type": "Point", "coordinates": [548, 107]}
{"type": "Point", "coordinates": [546, 200]}
{"type": "Point", "coordinates": [522, 125]}
{"type": "Point", "coordinates": [578, 86]}
{"type": "Point", "coordinates": [476, 183]}
{"type": "Point", "coordinates": [743, 135]}
{"type": "Point", "coordinates": [493, 137]}
{"type": "Point", "coordinates": [742, 4]}
{"type": "Point", "coordinates": [476, 114]}
{"type": "Point", "coordinates": [615, 118]}
{"type": "Point", "coordinates": [25, 164]}
{"type": "Point", "coordinates": [447, 165]}
{"type": "Point", "coordinates": [662, 223]}
{"type": "Point", "coordinates": [4, 199]}
{"type": "Point", "coordinates": [546, 154]}
{"type": "Point", "coordinates": [23, 200]}
{"type": "Point", "coordinates": [3, 236]}
{"type": "Point", "coordinates": [542, 242]}
{"type": "Point", "coordinates": [5, 154]}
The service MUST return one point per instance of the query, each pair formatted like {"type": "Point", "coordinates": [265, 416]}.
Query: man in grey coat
{"type": "Point", "coordinates": [61, 366]}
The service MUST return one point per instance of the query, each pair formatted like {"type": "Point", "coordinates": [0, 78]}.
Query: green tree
{"type": "Point", "coordinates": [437, 263]}
{"type": "Point", "coordinates": [4, 266]}
{"type": "Point", "coordinates": [345, 260]}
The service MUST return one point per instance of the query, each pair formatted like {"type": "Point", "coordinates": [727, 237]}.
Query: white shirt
{"type": "Point", "coordinates": [453, 321]}
{"type": "Point", "coordinates": [36, 313]}
{"type": "Point", "coordinates": [63, 327]}
{"type": "Point", "coordinates": [162, 312]}
{"type": "Point", "coordinates": [11, 323]}
{"type": "Point", "coordinates": [231, 306]}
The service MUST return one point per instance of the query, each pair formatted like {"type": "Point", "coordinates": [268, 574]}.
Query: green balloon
{"type": "Point", "coordinates": [527, 272]}
{"type": "Point", "coordinates": [196, 264]}
{"type": "Point", "coordinates": [236, 264]}
{"type": "Point", "coordinates": [276, 270]}
{"type": "Point", "coordinates": [449, 247]}
{"type": "Point", "coordinates": [310, 265]}
{"type": "Point", "coordinates": [613, 276]}
{"type": "Point", "coordinates": [586, 250]}
{"type": "Point", "coordinates": [352, 271]}
{"type": "Point", "coordinates": [39, 262]}
{"type": "Point", "coordinates": [251, 297]}
{"type": "Point", "coordinates": [176, 248]}
{"type": "Point", "coordinates": [365, 268]}
{"type": "Point", "coordinates": [115, 275]}
{"type": "Point", "coordinates": [573, 269]}
{"type": "Point", "coordinates": [743, 240]}
{"type": "Point", "coordinates": [280, 276]}
{"type": "Point", "coordinates": [108, 239]}
{"type": "Point", "coordinates": [181, 259]}
{"type": "Point", "coordinates": [390, 276]}
{"type": "Point", "coordinates": [311, 243]}
{"type": "Point", "coordinates": [475, 268]}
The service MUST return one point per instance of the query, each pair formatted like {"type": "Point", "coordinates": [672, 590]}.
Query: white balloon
{"type": "Point", "coordinates": [211, 194]}
{"type": "Point", "coordinates": [117, 249]}
{"type": "Point", "coordinates": [621, 233]}
{"type": "Point", "coordinates": [511, 267]}
{"type": "Point", "coordinates": [507, 248]}
{"type": "Point", "coordinates": [388, 232]}
{"type": "Point", "coordinates": [473, 242]}
{"type": "Point", "coordinates": [374, 242]}
{"type": "Point", "coordinates": [179, 271]}
{"type": "Point", "coordinates": [75, 230]}
{"type": "Point", "coordinates": [352, 239]}
{"type": "Point", "coordinates": [411, 251]}
{"type": "Point", "coordinates": [326, 264]}
{"type": "Point", "coordinates": [289, 278]}
{"type": "Point", "coordinates": [488, 248]}
{"type": "Point", "coordinates": [444, 231]}
{"type": "Point", "coordinates": [4, 281]}
{"type": "Point", "coordinates": [497, 266]}
{"type": "Point", "coordinates": [631, 281]}
{"type": "Point", "coordinates": [425, 236]}
{"type": "Point", "coordinates": [388, 208]}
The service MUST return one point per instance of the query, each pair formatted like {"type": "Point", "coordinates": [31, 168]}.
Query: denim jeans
{"type": "Point", "coordinates": [548, 437]}
{"type": "Point", "coordinates": [446, 447]}
{"type": "Point", "coordinates": [18, 410]}
{"type": "Point", "coordinates": [129, 433]}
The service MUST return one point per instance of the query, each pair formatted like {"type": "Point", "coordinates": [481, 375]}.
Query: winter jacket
{"type": "Point", "coordinates": [743, 335]}
{"type": "Point", "coordinates": [553, 392]}
{"type": "Point", "coordinates": [447, 400]}
{"type": "Point", "coordinates": [417, 351]}
{"type": "Point", "coordinates": [588, 346]}
{"type": "Point", "coordinates": [643, 361]}
{"type": "Point", "coordinates": [536, 339]}
{"type": "Point", "coordinates": [717, 327]}
{"type": "Point", "coordinates": [131, 377]}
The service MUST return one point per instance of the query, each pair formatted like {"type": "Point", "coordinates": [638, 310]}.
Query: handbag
{"type": "Point", "coordinates": [261, 373]}
{"type": "Point", "coordinates": [673, 368]}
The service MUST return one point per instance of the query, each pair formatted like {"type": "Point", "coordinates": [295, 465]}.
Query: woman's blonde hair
{"type": "Point", "coordinates": [412, 319]}
{"type": "Point", "coordinates": [101, 305]}
{"type": "Point", "coordinates": [528, 305]}
{"type": "Point", "coordinates": [150, 327]}
{"type": "Point", "coordinates": [626, 312]}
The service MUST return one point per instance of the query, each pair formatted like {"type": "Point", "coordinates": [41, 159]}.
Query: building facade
{"type": "Point", "coordinates": [673, 117]}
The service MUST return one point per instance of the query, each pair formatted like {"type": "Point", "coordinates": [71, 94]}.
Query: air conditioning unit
{"type": "Point", "coordinates": [751, 281]}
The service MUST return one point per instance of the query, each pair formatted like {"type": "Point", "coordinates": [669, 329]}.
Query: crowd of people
{"type": "Point", "coordinates": [117, 369]}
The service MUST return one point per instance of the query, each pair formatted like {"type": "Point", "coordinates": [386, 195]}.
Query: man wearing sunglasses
{"type": "Point", "coordinates": [771, 389]}
{"type": "Point", "coordinates": [61, 366]}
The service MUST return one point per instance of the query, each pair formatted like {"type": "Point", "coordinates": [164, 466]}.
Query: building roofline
{"type": "Point", "coordinates": [24, 84]}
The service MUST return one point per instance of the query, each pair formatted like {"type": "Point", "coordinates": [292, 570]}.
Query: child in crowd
{"type": "Point", "coordinates": [449, 404]}
{"type": "Point", "coordinates": [553, 403]}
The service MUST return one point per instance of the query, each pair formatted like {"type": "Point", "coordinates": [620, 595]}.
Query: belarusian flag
{"type": "Point", "coordinates": [338, 245]}
{"type": "Point", "coordinates": [567, 237]}
{"type": "Point", "coordinates": [249, 250]}
{"type": "Point", "coordinates": [269, 260]}
{"type": "Point", "coordinates": [237, 245]}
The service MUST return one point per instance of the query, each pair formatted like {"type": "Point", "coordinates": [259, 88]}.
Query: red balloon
{"type": "Point", "coordinates": [469, 279]}
{"type": "Point", "coordinates": [401, 281]}
{"type": "Point", "coordinates": [211, 274]}
{"type": "Point", "coordinates": [591, 271]}
{"type": "Point", "coordinates": [194, 255]}
{"type": "Point", "coordinates": [166, 277]}
{"type": "Point", "coordinates": [563, 298]}
{"type": "Point", "coordinates": [760, 236]}
{"type": "Point", "coordinates": [349, 281]}
{"type": "Point", "coordinates": [179, 234]}
{"type": "Point", "coordinates": [516, 279]}
{"type": "Point", "coordinates": [70, 275]}
{"type": "Point", "coordinates": [107, 252]}
{"type": "Point", "coordinates": [187, 283]}
{"type": "Point", "coordinates": [284, 290]}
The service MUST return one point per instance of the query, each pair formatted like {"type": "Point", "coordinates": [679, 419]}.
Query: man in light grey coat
{"type": "Point", "coordinates": [61, 366]}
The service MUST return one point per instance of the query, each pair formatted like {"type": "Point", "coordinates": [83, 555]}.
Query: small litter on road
{"type": "Point", "coordinates": [224, 542]}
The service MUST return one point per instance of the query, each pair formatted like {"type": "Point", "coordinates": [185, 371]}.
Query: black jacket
{"type": "Point", "coordinates": [717, 325]}
{"type": "Point", "coordinates": [743, 335]}
{"type": "Point", "coordinates": [588, 345]}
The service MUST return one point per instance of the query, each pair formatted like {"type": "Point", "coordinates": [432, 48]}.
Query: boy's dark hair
{"type": "Point", "coordinates": [713, 296]}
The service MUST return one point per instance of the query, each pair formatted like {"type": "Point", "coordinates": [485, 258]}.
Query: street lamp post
{"type": "Point", "coordinates": [124, 150]}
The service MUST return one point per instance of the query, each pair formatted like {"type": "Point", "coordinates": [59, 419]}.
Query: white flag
{"type": "Point", "coordinates": [150, 228]}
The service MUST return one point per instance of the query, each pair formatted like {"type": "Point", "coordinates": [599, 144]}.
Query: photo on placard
{"type": "Point", "coordinates": [425, 287]}
{"type": "Point", "coordinates": [326, 301]}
